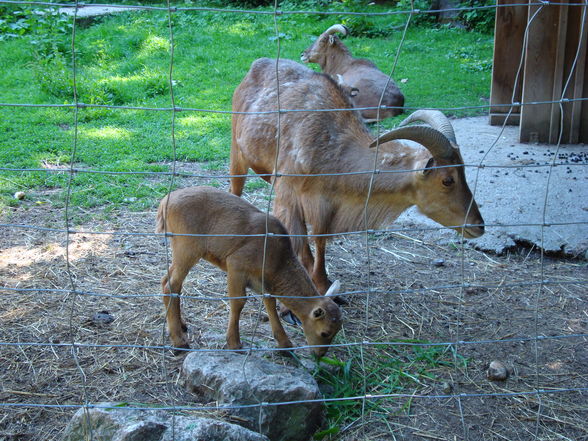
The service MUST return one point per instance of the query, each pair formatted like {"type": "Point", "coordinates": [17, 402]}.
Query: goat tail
{"type": "Point", "coordinates": [160, 226]}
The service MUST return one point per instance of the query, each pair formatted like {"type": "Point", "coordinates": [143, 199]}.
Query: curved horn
{"type": "Point", "coordinates": [337, 28]}
{"type": "Point", "coordinates": [435, 119]}
{"type": "Point", "coordinates": [435, 141]}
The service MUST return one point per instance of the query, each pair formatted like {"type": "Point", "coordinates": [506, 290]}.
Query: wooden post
{"type": "Point", "coordinates": [577, 112]}
{"type": "Point", "coordinates": [539, 75]}
{"type": "Point", "coordinates": [555, 67]}
{"type": "Point", "coordinates": [510, 25]}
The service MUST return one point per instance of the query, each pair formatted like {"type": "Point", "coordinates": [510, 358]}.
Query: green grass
{"type": "Point", "coordinates": [124, 60]}
{"type": "Point", "coordinates": [379, 370]}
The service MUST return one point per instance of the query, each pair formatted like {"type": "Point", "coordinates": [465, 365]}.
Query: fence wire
{"type": "Point", "coordinates": [172, 401]}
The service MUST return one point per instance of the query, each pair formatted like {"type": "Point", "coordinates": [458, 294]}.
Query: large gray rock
{"type": "Point", "coordinates": [233, 379]}
{"type": "Point", "coordinates": [110, 422]}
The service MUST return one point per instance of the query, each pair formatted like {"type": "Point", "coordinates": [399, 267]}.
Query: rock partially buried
{"type": "Point", "coordinates": [234, 380]}
{"type": "Point", "coordinates": [112, 422]}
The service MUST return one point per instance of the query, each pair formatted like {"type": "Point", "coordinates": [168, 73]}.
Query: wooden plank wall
{"type": "Point", "coordinates": [511, 22]}
{"type": "Point", "coordinates": [555, 66]}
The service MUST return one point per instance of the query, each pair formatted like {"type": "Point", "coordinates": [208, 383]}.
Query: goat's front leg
{"type": "Point", "coordinates": [236, 284]}
{"type": "Point", "coordinates": [277, 328]}
{"type": "Point", "coordinates": [319, 272]}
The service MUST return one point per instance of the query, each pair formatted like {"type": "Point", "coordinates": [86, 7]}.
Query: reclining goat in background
{"type": "Point", "coordinates": [336, 60]}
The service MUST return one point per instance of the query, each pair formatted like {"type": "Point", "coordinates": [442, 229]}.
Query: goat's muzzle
{"type": "Point", "coordinates": [472, 231]}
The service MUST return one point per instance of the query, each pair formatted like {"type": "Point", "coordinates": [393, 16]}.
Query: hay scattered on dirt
{"type": "Point", "coordinates": [411, 301]}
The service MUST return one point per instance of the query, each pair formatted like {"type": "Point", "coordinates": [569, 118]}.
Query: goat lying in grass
{"type": "Point", "coordinates": [360, 74]}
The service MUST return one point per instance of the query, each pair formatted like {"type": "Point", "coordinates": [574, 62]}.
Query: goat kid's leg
{"type": "Point", "coordinates": [172, 284]}
{"type": "Point", "coordinates": [277, 328]}
{"type": "Point", "coordinates": [236, 284]}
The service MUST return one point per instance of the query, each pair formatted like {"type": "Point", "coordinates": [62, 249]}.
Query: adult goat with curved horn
{"type": "Point", "coordinates": [327, 168]}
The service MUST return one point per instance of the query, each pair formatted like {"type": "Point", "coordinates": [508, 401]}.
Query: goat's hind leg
{"type": "Point", "coordinates": [238, 169]}
{"type": "Point", "coordinates": [172, 284]}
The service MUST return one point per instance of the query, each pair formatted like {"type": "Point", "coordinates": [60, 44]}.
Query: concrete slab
{"type": "Point", "coordinates": [518, 190]}
{"type": "Point", "coordinates": [92, 11]}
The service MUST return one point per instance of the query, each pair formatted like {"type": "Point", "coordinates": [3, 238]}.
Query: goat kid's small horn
{"type": "Point", "coordinates": [337, 28]}
{"type": "Point", "coordinates": [333, 289]}
{"type": "Point", "coordinates": [435, 119]}
{"type": "Point", "coordinates": [434, 141]}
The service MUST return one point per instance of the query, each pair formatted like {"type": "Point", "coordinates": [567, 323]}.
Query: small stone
{"type": "Point", "coordinates": [497, 371]}
{"type": "Point", "coordinates": [438, 262]}
{"type": "Point", "coordinates": [446, 387]}
{"type": "Point", "coordinates": [102, 318]}
{"type": "Point", "coordinates": [20, 195]}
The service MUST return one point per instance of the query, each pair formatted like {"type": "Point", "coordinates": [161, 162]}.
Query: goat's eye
{"type": "Point", "coordinates": [324, 334]}
{"type": "Point", "coordinates": [448, 181]}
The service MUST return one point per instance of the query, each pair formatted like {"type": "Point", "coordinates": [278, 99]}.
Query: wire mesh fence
{"type": "Point", "coordinates": [80, 326]}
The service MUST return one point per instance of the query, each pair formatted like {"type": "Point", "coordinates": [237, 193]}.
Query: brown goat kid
{"type": "Point", "coordinates": [208, 211]}
{"type": "Point", "coordinates": [313, 143]}
{"type": "Point", "coordinates": [335, 59]}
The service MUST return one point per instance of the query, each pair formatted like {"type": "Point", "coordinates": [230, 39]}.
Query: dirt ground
{"type": "Point", "coordinates": [417, 293]}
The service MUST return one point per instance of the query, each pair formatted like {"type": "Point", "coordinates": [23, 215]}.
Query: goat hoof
{"type": "Point", "coordinates": [181, 349]}
{"type": "Point", "coordinates": [238, 348]}
{"type": "Point", "coordinates": [285, 352]}
{"type": "Point", "coordinates": [341, 301]}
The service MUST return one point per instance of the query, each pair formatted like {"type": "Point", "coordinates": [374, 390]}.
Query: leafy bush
{"type": "Point", "coordinates": [43, 22]}
{"type": "Point", "coordinates": [421, 5]}
{"type": "Point", "coordinates": [481, 20]}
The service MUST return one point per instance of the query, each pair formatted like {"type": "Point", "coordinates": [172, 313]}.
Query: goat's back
{"type": "Point", "coordinates": [308, 135]}
{"type": "Point", "coordinates": [223, 223]}
{"type": "Point", "coordinates": [299, 88]}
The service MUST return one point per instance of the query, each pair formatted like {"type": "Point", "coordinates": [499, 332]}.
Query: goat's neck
{"type": "Point", "coordinates": [293, 282]}
{"type": "Point", "coordinates": [393, 170]}
{"type": "Point", "coordinates": [390, 193]}
{"type": "Point", "coordinates": [335, 61]}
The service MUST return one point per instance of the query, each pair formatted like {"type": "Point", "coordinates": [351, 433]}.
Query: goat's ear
{"type": "Point", "coordinates": [427, 167]}
{"type": "Point", "coordinates": [333, 289]}
{"type": "Point", "coordinates": [331, 39]}
{"type": "Point", "coordinates": [318, 312]}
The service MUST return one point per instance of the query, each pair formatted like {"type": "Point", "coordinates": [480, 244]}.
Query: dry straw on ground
{"type": "Point", "coordinates": [411, 302]}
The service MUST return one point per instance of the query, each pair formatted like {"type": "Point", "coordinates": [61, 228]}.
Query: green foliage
{"type": "Point", "coordinates": [44, 23]}
{"type": "Point", "coordinates": [480, 20]}
{"type": "Point", "coordinates": [378, 370]}
{"type": "Point", "coordinates": [469, 59]}
{"type": "Point", "coordinates": [419, 19]}
{"type": "Point", "coordinates": [124, 60]}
